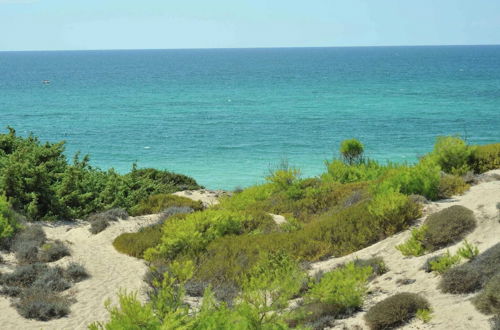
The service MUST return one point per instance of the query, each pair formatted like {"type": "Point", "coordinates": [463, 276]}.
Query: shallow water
{"type": "Point", "coordinates": [226, 116]}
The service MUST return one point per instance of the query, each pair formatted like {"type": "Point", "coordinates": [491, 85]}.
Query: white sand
{"type": "Point", "coordinates": [207, 197]}
{"type": "Point", "coordinates": [110, 271]}
{"type": "Point", "coordinates": [450, 311]}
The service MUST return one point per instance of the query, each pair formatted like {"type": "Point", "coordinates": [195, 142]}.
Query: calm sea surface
{"type": "Point", "coordinates": [226, 116]}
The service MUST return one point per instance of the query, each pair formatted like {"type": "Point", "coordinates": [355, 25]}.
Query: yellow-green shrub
{"type": "Point", "coordinates": [192, 234]}
{"type": "Point", "coordinates": [134, 244]}
{"type": "Point", "coordinates": [485, 158]}
{"type": "Point", "coordinates": [452, 154]}
{"type": "Point", "coordinates": [159, 202]}
{"type": "Point", "coordinates": [8, 223]}
{"type": "Point", "coordinates": [451, 185]}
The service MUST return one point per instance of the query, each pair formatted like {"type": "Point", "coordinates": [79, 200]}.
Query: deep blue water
{"type": "Point", "coordinates": [226, 116]}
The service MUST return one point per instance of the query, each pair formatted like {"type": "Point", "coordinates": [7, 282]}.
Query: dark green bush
{"type": "Point", "coordinates": [395, 310]}
{"type": "Point", "coordinates": [53, 251]}
{"type": "Point", "coordinates": [448, 226]}
{"type": "Point", "coordinates": [8, 223]}
{"type": "Point", "coordinates": [41, 184]}
{"type": "Point", "coordinates": [488, 300]}
{"type": "Point", "coordinates": [472, 275]}
{"type": "Point", "coordinates": [42, 305]}
{"type": "Point", "coordinates": [159, 202]}
{"type": "Point", "coordinates": [485, 158]}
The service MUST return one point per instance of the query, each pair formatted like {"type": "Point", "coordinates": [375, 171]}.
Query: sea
{"type": "Point", "coordinates": [229, 116]}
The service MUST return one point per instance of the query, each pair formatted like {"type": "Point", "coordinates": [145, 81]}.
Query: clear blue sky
{"type": "Point", "coordinates": [136, 24]}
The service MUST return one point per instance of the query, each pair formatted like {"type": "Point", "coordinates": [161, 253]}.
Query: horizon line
{"type": "Point", "coordinates": [235, 48]}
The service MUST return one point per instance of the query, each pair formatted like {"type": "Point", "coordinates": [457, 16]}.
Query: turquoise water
{"type": "Point", "coordinates": [226, 116]}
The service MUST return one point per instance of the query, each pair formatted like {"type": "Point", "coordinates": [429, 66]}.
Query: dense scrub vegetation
{"type": "Point", "coordinates": [39, 182]}
{"type": "Point", "coordinates": [233, 253]}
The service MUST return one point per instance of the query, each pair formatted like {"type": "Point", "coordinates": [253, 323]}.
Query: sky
{"type": "Point", "coordinates": [165, 24]}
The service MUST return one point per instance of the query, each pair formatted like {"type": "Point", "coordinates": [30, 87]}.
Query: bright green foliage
{"type": "Point", "coordinates": [452, 154]}
{"type": "Point", "coordinates": [39, 182]}
{"type": "Point", "coordinates": [444, 262]}
{"type": "Point", "coordinates": [283, 177]}
{"type": "Point", "coordinates": [343, 287]}
{"type": "Point", "coordinates": [269, 285]}
{"type": "Point", "coordinates": [192, 234]}
{"type": "Point", "coordinates": [8, 223]}
{"type": "Point", "coordinates": [130, 314]}
{"type": "Point", "coordinates": [424, 315]}
{"type": "Point", "coordinates": [468, 251]}
{"type": "Point", "coordinates": [339, 171]}
{"type": "Point", "coordinates": [159, 202]}
{"type": "Point", "coordinates": [413, 246]}
{"type": "Point", "coordinates": [251, 198]}
{"type": "Point", "coordinates": [134, 244]}
{"type": "Point", "coordinates": [451, 185]}
{"type": "Point", "coordinates": [485, 158]}
{"type": "Point", "coordinates": [352, 151]}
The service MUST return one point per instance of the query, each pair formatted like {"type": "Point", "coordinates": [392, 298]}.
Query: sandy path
{"type": "Point", "coordinates": [450, 311]}
{"type": "Point", "coordinates": [110, 271]}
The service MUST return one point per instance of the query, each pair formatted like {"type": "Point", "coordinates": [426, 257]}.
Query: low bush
{"type": "Point", "coordinates": [495, 322]}
{"type": "Point", "coordinates": [134, 244]}
{"type": "Point", "coordinates": [377, 265]}
{"type": "Point", "coordinates": [42, 305]}
{"type": "Point", "coordinates": [98, 225]}
{"type": "Point", "coordinates": [468, 251]}
{"type": "Point", "coordinates": [51, 280]}
{"type": "Point", "coordinates": [337, 293]}
{"type": "Point", "coordinates": [444, 262]}
{"type": "Point", "coordinates": [352, 151]}
{"type": "Point", "coordinates": [23, 276]}
{"type": "Point", "coordinates": [485, 158]}
{"type": "Point", "coordinates": [472, 275]}
{"type": "Point", "coordinates": [395, 310]}
{"type": "Point", "coordinates": [451, 185]}
{"type": "Point", "coordinates": [488, 300]}
{"type": "Point", "coordinates": [159, 202]}
{"type": "Point", "coordinates": [413, 246]}
{"type": "Point", "coordinates": [448, 226]}
{"type": "Point", "coordinates": [75, 272]}
{"type": "Point", "coordinates": [192, 234]}
{"type": "Point", "coordinates": [53, 251]}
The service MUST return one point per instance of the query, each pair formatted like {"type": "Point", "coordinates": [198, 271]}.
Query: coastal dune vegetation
{"type": "Point", "coordinates": [234, 255]}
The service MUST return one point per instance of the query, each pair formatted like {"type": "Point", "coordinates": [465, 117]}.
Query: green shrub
{"type": "Point", "coordinates": [468, 251]}
{"type": "Point", "coordinates": [485, 158]}
{"type": "Point", "coordinates": [448, 226]}
{"type": "Point", "coordinates": [134, 244]}
{"type": "Point", "coordinates": [157, 203]}
{"type": "Point", "coordinates": [452, 154]}
{"type": "Point", "coordinates": [192, 234]}
{"type": "Point", "coordinates": [395, 310]}
{"type": "Point", "coordinates": [352, 151]}
{"type": "Point", "coordinates": [451, 185]}
{"type": "Point", "coordinates": [377, 265]}
{"type": "Point", "coordinates": [424, 315]}
{"type": "Point", "coordinates": [338, 292]}
{"type": "Point", "coordinates": [343, 287]}
{"type": "Point", "coordinates": [40, 183]}
{"type": "Point", "coordinates": [413, 246]}
{"type": "Point", "coordinates": [341, 172]}
{"type": "Point", "coordinates": [444, 262]}
{"type": "Point", "coordinates": [488, 300]}
{"type": "Point", "coordinates": [23, 276]}
{"type": "Point", "coordinates": [8, 223]}
{"type": "Point", "coordinates": [42, 305]}
{"type": "Point", "coordinates": [472, 275]}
